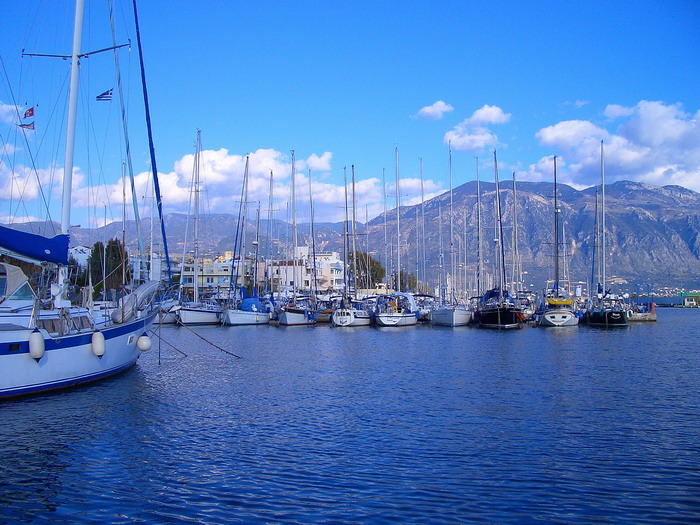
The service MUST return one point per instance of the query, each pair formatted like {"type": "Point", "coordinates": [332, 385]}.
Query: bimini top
{"type": "Point", "coordinates": [12, 279]}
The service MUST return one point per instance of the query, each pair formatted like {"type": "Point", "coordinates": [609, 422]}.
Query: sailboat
{"type": "Point", "coordinates": [449, 312]}
{"type": "Point", "coordinates": [299, 310]}
{"type": "Point", "coordinates": [496, 308]}
{"type": "Point", "coordinates": [350, 311]}
{"type": "Point", "coordinates": [557, 305]}
{"type": "Point", "coordinates": [243, 310]}
{"type": "Point", "coordinates": [197, 312]}
{"type": "Point", "coordinates": [606, 310]}
{"type": "Point", "coordinates": [49, 346]}
{"type": "Point", "coordinates": [399, 309]}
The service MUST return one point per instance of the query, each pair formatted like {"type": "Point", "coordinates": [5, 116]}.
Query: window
{"type": "Point", "coordinates": [23, 292]}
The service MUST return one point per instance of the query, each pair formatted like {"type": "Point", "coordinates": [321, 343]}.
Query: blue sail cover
{"type": "Point", "coordinates": [54, 249]}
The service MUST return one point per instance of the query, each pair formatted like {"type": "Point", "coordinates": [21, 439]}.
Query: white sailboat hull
{"type": "Point", "coordinates": [190, 315]}
{"type": "Point", "coordinates": [396, 319]}
{"type": "Point", "coordinates": [557, 317]}
{"type": "Point", "coordinates": [67, 360]}
{"type": "Point", "coordinates": [296, 317]}
{"type": "Point", "coordinates": [167, 318]}
{"type": "Point", "coordinates": [450, 316]}
{"type": "Point", "coordinates": [351, 317]}
{"type": "Point", "coordinates": [234, 317]}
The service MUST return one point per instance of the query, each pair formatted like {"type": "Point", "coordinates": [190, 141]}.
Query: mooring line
{"type": "Point", "coordinates": [160, 337]}
{"type": "Point", "coordinates": [207, 341]}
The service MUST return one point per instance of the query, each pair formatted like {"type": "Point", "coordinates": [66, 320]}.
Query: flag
{"type": "Point", "coordinates": [107, 95]}
{"type": "Point", "coordinates": [30, 125]}
{"type": "Point", "coordinates": [29, 112]}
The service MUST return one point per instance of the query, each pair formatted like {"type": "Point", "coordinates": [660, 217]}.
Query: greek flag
{"type": "Point", "coordinates": [107, 95]}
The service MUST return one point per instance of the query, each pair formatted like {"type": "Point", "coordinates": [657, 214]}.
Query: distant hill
{"type": "Point", "coordinates": [653, 233]}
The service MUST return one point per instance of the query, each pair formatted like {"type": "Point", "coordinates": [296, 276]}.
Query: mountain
{"type": "Point", "coordinates": [653, 233]}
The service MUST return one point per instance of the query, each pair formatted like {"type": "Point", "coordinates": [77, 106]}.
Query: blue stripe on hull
{"type": "Point", "coordinates": [59, 343]}
{"type": "Point", "coordinates": [67, 383]}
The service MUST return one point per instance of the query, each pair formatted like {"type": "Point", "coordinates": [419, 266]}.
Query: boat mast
{"type": "Point", "coordinates": [268, 248]}
{"type": "Point", "coordinates": [239, 247]}
{"type": "Point", "coordinates": [517, 266]}
{"type": "Point", "coordinates": [125, 129]}
{"type": "Point", "coordinates": [198, 147]}
{"type": "Point", "coordinates": [452, 237]}
{"type": "Point", "coordinates": [602, 212]}
{"type": "Point", "coordinates": [499, 235]}
{"type": "Point", "coordinates": [479, 262]}
{"type": "Point", "coordinates": [422, 213]}
{"type": "Point", "coordinates": [294, 231]}
{"type": "Point", "coordinates": [556, 230]}
{"type": "Point", "coordinates": [312, 287]}
{"type": "Point", "coordinates": [386, 233]}
{"type": "Point", "coordinates": [595, 267]}
{"type": "Point", "coordinates": [441, 257]}
{"type": "Point", "coordinates": [70, 139]}
{"type": "Point", "coordinates": [354, 233]}
{"type": "Point", "coordinates": [368, 276]}
{"type": "Point", "coordinates": [256, 243]}
{"type": "Point", "coordinates": [466, 284]}
{"type": "Point", "coordinates": [418, 273]}
{"type": "Point", "coordinates": [398, 223]}
{"type": "Point", "coordinates": [345, 232]}
{"type": "Point", "coordinates": [156, 185]}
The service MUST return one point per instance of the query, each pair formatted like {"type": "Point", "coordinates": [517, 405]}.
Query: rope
{"type": "Point", "coordinates": [207, 341]}
{"type": "Point", "coordinates": [160, 338]}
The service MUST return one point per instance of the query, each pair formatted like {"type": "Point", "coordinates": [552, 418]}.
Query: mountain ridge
{"type": "Point", "coordinates": [652, 232]}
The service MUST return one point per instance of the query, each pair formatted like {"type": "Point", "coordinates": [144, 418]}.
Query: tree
{"type": "Point", "coordinates": [408, 281]}
{"type": "Point", "coordinates": [368, 265]}
{"type": "Point", "coordinates": [116, 258]}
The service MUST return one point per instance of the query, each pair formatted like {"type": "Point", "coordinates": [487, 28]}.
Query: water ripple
{"type": "Point", "coordinates": [380, 426]}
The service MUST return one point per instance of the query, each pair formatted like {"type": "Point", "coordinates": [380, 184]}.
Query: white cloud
{"type": "Point", "coordinates": [613, 111]}
{"type": "Point", "coordinates": [8, 113]}
{"type": "Point", "coordinates": [435, 111]}
{"type": "Point", "coordinates": [322, 163]}
{"type": "Point", "coordinates": [470, 139]}
{"type": "Point", "coordinates": [570, 134]}
{"type": "Point", "coordinates": [488, 115]}
{"type": "Point", "coordinates": [655, 143]}
{"type": "Point", "coordinates": [472, 134]}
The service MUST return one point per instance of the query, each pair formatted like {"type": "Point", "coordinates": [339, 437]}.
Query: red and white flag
{"type": "Point", "coordinates": [29, 112]}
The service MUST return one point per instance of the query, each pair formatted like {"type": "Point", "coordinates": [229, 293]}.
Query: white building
{"type": "Point", "coordinates": [299, 272]}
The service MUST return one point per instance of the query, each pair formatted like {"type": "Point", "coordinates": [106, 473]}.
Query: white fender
{"type": "Point", "coordinates": [143, 343]}
{"type": "Point", "coordinates": [98, 343]}
{"type": "Point", "coordinates": [37, 345]}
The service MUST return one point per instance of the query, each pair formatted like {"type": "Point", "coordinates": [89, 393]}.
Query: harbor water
{"type": "Point", "coordinates": [372, 425]}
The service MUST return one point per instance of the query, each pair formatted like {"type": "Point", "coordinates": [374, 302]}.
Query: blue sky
{"type": "Point", "coordinates": [345, 84]}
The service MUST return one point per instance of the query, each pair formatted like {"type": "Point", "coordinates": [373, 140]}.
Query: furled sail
{"type": "Point", "coordinates": [50, 249]}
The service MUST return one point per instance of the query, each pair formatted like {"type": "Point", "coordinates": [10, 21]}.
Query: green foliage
{"type": "Point", "coordinates": [408, 281]}
{"type": "Point", "coordinates": [116, 260]}
{"type": "Point", "coordinates": [368, 265]}
{"type": "Point", "coordinates": [78, 275]}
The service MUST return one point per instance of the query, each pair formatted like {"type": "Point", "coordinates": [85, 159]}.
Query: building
{"type": "Point", "coordinates": [690, 300]}
{"type": "Point", "coordinates": [299, 272]}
